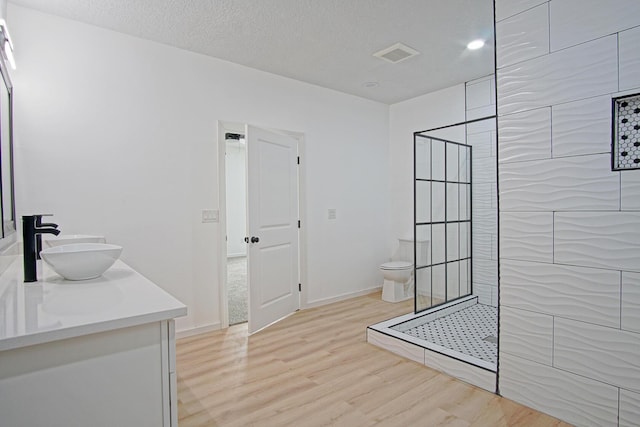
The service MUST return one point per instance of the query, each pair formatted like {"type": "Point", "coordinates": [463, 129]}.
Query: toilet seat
{"type": "Point", "coordinates": [396, 265]}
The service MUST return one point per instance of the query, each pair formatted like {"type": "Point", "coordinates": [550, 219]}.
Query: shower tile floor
{"type": "Point", "coordinates": [471, 331]}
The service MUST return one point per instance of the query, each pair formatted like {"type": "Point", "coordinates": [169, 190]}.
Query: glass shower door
{"type": "Point", "coordinates": [442, 195]}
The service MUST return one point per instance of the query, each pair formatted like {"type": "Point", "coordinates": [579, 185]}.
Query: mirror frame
{"type": "Point", "coordinates": [8, 229]}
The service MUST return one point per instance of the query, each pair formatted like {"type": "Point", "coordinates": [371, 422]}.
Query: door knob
{"type": "Point", "coordinates": [246, 240]}
{"type": "Point", "coordinates": [255, 239]}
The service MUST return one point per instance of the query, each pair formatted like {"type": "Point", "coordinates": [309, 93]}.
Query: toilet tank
{"type": "Point", "coordinates": [405, 251]}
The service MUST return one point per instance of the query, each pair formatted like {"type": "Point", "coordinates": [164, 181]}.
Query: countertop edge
{"type": "Point", "coordinates": [44, 337]}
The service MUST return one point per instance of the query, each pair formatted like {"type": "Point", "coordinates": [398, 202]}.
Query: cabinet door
{"type": "Point", "coordinates": [105, 379]}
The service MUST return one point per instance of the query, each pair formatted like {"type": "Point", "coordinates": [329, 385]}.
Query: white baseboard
{"type": "Point", "coordinates": [197, 330]}
{"type": "Point", "coordinates": [320, 302]}
{"type": "Point", "coordinates": [217, 325]}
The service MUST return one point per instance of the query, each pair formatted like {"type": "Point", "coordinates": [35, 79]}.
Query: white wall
{"type": "Point", "coordinates": [441, 108]}
{"type": "Point", "coordinates": [236, 181]}
{"type": "Point", "coordinates": [569, 226]}
{"type": "Point", "coordinates": [117, 135]}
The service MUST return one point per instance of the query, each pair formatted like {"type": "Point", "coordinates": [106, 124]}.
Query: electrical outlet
{"type": "Point", "coordinates": [210, 215]}
{"type": "Point", "coordinates": [331, 213]}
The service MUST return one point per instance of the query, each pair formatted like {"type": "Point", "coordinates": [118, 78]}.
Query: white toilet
{"type": "Point", "coordinates": [398, 273]}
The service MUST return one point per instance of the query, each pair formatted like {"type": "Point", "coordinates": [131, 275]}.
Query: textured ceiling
{"type": "Point", "coordinates": [324, 42]}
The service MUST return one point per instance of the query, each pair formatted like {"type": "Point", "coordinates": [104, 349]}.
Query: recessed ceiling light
{"type": "Point", "coordinates": [476, 44]}
{"type": "Point", "coordinates": [370, 84]}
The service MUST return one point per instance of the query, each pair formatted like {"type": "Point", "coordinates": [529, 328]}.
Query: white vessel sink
{"type": "Point", "coordinates": [67, 239]}
{"type": "Point", "coordinates": [81, 261]}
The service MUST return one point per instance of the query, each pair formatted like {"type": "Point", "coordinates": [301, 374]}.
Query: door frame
{"type": "Point", "coordinates": [224, 126]}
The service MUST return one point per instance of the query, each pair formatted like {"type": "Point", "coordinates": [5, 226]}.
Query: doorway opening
{"type": "Point", "coordinates": [236, 214]}
{"type": "Point", "coordinates": [261, 253]}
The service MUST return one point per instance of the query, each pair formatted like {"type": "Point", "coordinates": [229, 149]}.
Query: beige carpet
{"type": "Point", "coordinates": [237, 289]}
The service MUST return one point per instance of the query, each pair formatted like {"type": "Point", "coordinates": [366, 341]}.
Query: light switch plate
{"type": "Point", "coordinates": [331, 214]}
{"type": "Point", "coordinates": [210, 215]}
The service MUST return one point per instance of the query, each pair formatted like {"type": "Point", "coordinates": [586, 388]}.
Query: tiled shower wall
{"type": "Point", "coordinates": [569, 226]}
{"type": "Point", "coordinates": [480, 101]}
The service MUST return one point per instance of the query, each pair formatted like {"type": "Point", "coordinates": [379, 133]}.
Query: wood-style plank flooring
{"type": "Point", "coordinates": [315, 368]}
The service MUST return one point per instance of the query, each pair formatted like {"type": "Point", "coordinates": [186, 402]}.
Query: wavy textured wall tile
{"type": "Point", "coordinates": [568, 183]}
{"type": "Point", "coordinates": [586, 294]}
{"type": "Point", "coordinates": [484, 170]}
{"type": "Point", "coordinates": [484, 196]}
{"type": "Point", "coordinates": [527, 235]}
{"type": "Point", "coordinates": [630, 191]}
{"type": "Point", "coordinates": [494, 246]}
{"type": "Point", "coordinates": [483, 292]}
{"type": "Point", "coordinates": [482, 79]}
{"type": "Point", "coordinates": [482, 245]}
{"type": "Point", "coordinates": [478, 113]}
{"type": "Point", "coordinates": [480, 98]}
{"type": "Point", "coordinates": [582, 71]}
{"type": "Point", "coordinates": [526, 334]}
{"type": "Point", "coordinates": [595, 213]}
{"type": "Point", "coordinates": [481, 143]}
{"type": "Point", "coordinates": [629, 408]}
{"type": "Point", "coordinates": [523, 36]}
{"type": "Point", "coordinates": [605, 354]}
{"type": "Point", "coordinates": [481, 126]}
{"type": "Point", "coordinates": [485, 220]}
{"type": "Point", "coordinates": [573, 398]}
{"type": "Point", "coordinates": [525, 136]}
{"type": "Point", "coordinates": [582, 127]}
{"type": "Point", "coordinates": [485, 271]}
{"type": "Point", "coordinates": [575, 21]}
{"type": "Point", "coordinates": [494, 296]}
{"type": "Point", "coordinates": [507, 8]}
{"type": "Point", "coordinates": [631, 301]}
{"type": "Point", "coordinates": [598, 239]}
{"type": "Point", "coordinates": [629, 58]}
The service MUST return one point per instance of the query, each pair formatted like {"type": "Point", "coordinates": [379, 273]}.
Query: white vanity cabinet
{"type": "Point", "coordinates": [94, 353]}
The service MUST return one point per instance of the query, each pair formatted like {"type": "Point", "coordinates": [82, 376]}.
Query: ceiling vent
{"type": "Point", "coordinates": [396, 53]}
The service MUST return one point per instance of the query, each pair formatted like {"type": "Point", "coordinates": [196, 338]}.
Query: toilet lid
{"type": "Point", "coordinates": [396, 265]}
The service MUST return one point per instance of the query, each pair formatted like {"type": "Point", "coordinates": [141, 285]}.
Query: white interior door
{"type": "Point", "coordinates": [272, 225]}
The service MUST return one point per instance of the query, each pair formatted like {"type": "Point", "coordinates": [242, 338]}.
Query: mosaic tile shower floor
{"type": "Point", "coordinates": [471, 331]}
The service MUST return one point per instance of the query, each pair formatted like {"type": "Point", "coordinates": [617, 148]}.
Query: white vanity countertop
{"type": "Point", "coordinates": [54, 308]}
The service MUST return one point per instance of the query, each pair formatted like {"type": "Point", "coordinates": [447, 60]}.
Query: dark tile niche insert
{"type": "Point", "coordinates": [625, 146]}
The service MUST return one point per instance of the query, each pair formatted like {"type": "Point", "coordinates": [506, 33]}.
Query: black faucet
{"type": "Point", "coordinates": [33, 227]}
{"type": "Point", "coordinates": [40, 224]}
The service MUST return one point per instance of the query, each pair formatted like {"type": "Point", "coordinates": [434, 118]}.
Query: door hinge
{"type": "Point", "coordinates": [298, 223]}
{"type": "Point", "coordinates": [299, 287]}
{"type": "Point", "coordinates": [298, 159]}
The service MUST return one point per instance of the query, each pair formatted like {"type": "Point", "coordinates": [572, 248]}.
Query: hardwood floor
{"type": "Point", "coordinates": [315, 368]}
